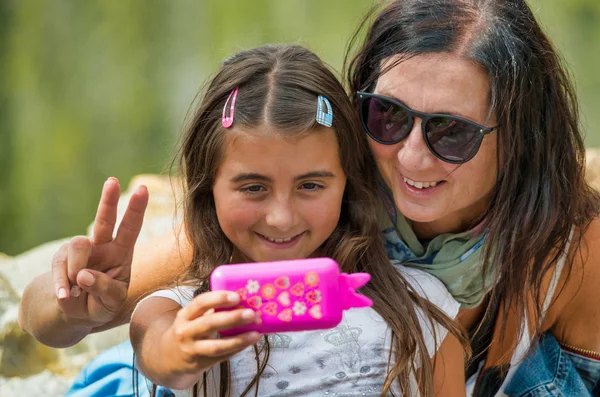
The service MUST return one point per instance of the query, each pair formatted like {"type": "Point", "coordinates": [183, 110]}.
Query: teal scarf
{"type": "Point", "coordinates": [455, 259]}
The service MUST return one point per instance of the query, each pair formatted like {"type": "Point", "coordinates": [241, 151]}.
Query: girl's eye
{"type": "Point", "coordinates": [311, 186]}
{"type": "Point", "coordinates": [252, 189]}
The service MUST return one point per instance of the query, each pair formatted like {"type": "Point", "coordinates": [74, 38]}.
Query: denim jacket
{"type": "Point", "coordinates": [552, 371]}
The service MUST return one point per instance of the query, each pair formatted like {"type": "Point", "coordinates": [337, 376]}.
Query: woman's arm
{"type": "Point", "coordinates": [111, 274]}
{"type": "Point", "coordinates": [59, 323]}
{"type": "Point", "coordinates": [574, 317]}
{"type": "Point", "coordinates": [156, 263]}
{"type": "Point", "coordinates": [174, 346]}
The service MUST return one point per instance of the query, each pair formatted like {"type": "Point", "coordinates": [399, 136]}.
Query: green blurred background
{"type": "Point", "coordinates": [91, 89]}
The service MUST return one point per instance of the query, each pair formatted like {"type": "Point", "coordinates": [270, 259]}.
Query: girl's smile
{"type": "Point", "coordinates": [282, 242]}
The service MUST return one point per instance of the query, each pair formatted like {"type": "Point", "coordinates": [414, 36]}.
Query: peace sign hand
{"type": "Point", "coordinates": [91, 275]}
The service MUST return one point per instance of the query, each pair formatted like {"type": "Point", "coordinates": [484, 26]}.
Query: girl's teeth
{"type": "Point", "coordinates": [420, 185]}
{"type": "Point", "coordinates": [279, 240]}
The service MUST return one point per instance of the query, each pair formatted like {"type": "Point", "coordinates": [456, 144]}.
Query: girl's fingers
{"type": "Point", "coordinates": [110, 292]}
{"type": "Point", "coordinates": [106, 215]}
{"type": "Point", "coordinates": [59, 272]}
{"type": "Point", "coordinates": [131, 224]}
{"type": "Point", "coordinates": [224, 348]}
{"type": "Point", "coordinates": [78, 255]}
{"type": "Point", "coordinates": [209, 300]}
{"type": "Point", "coordinates": [208, 325]}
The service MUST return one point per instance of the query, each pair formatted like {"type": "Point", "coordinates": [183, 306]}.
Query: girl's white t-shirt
{"type": "Point", "coordinates": [348, 360]}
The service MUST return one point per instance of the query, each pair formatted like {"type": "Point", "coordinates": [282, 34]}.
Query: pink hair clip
{"type": "Point", "coordinates": [227, 121]}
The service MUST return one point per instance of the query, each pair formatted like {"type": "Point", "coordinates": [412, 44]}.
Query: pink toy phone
{"type": "Point", "coordinates": [295, 295]}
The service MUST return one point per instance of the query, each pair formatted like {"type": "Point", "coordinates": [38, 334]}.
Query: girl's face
{"type": "Point", "coordinates": [279, 198]}
{"type": "Point", "coordinates": [438, 83]}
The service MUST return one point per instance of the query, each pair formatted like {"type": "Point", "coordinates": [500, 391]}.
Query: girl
{"type": "Point", "coordinates": [276, 168]}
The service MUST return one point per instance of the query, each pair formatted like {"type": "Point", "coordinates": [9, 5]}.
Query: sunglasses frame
{"type": "Point", "coordinates": [425, 117]}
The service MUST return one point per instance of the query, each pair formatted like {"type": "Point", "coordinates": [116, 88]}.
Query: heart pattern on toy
{"type": "Point", "coordinates": [242, 292]}
{"type": "Point", "coordinates": [270, 308]}
{"type": "Point", "coordinates": [284, 298]}
{"type": "Point", "coordinates": [315, 312]}
{"type": "Point", "coordinates": [297, 289]}
{"type": "Point", "coordinates": [285, 315]}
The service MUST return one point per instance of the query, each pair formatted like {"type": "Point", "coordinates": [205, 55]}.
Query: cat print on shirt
{"type": "Point", "coordinates": [332, 361]}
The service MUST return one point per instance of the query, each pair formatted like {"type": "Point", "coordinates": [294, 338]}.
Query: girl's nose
{"type": "Point", "coordinates": [280, 215]}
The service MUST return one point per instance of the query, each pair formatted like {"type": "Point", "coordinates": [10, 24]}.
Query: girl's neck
{"type": "Point", "coordinates": [239, 257]}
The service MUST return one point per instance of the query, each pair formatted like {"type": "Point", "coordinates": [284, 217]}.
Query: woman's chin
{"type": "Point", "coordinates": [420, 213]}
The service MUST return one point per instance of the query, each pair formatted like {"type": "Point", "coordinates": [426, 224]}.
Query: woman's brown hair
{"type": "Point", "coordinates": [540, 194]}
{"type": "Point", "coordinates": [278, 87]}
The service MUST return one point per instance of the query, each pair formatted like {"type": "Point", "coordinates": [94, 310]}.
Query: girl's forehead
{"type": "Point", "coordinates": [267, 150]}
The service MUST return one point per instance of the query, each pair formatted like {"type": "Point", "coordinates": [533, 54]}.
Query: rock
{"type": "Point", "coordinates": [45, 383]}
{"type": "Point", "coordinates": [592, 172]}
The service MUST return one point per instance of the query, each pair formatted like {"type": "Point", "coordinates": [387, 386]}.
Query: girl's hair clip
{"type": "Point", "coordinates": [324, 118]}
{"type": "Point", "coordinates": [227, 121]}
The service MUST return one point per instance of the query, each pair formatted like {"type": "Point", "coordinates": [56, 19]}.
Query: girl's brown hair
{"type": "Point", "coordinates": [540, 194]}
{"type": "Point", "coordinates": [278, 87]}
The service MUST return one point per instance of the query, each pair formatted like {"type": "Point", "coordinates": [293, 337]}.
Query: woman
{"type": "Point", "coordinates": [474, 127]}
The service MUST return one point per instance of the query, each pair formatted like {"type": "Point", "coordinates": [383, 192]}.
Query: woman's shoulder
{"type": "Point", "coordinates": [583, 274]}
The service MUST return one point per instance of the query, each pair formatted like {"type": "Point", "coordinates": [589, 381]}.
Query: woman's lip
{"type": "Point", "coordinates": [284, 245]}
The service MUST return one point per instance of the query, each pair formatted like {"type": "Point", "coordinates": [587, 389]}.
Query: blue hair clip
{"type": "Point", "coordinates": [324, 118]}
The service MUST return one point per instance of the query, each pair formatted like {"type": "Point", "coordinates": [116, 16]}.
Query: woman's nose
{"type": "Point", "coordinates": [413, 153]}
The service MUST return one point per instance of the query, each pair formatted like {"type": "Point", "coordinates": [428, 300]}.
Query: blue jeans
{"type": "Point", "coordinates": [111, 374]}
{"type": "Point", "coordinates": [551, 371]}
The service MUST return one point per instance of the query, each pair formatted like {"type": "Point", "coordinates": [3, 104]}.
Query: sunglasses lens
{"type": "Point", "coordinates": [385, 121]}
{"type": "Point", "coordinates": [452, 139]}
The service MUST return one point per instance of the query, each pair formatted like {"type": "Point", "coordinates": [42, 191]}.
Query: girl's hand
{"type": "Point", "coordinates": [196, 345]}
{"type": "Point", "coordinates": [91, 275]}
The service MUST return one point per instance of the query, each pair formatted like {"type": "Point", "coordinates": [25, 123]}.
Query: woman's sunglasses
{"type": "Point", "coordinates": [450, 138]}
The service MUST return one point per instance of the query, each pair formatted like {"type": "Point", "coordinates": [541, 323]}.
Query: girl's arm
{"type": "Point", "coordinates": [174, 346]}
